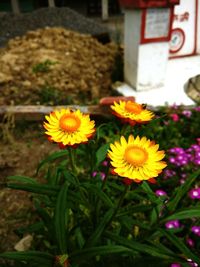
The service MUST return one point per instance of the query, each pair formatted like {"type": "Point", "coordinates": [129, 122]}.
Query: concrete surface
{"type": "Point", "coordinates": [178, 72]}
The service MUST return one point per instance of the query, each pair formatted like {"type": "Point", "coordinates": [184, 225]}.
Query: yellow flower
{"type": "Point", "coordinates": [68, 127]}
{"type": "Point", "coordinates": [132, 112]}
{"type": "Point", "coordinates": [137, 159]}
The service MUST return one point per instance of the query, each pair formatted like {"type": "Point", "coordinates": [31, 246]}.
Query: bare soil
{"type": "Point", "coordinates": [21, 149]}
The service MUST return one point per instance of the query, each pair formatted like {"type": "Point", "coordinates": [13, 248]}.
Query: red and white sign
{"type": "Point", "coordinates": [156, 25]}
{"type": "Point", "coordinates": [184, 29]}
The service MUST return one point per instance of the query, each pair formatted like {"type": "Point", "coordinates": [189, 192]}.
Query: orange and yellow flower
{"type": "Point", "coordinates": [131, 112]}
{"type": "Point", "coordinates": [137, 159]}
{"type": "Point", "coordinates": [68, 127]}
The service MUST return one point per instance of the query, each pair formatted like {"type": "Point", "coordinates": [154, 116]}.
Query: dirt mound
{"type": "Point", "coordinates": [55, 66]}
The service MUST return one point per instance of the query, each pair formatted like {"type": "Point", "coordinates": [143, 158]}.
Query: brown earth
{"type": "Point", "coordinates": [22, 147]}
{"type": "Point", "coordinates": [56, 66]}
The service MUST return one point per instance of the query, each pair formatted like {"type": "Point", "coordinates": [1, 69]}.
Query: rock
{"type": "Point", "coordinates": [24, 244]}
{"type": "Point", "coordinates": [192, 88]}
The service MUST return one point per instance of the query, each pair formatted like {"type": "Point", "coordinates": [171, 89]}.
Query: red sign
{"type": "Point", "coordinates": [148, 3]}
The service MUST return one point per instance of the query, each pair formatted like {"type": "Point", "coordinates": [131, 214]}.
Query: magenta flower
{"type": "Point", "coordinates": [160, 192]}
{"type": "Point", "coordinates": [102, 175]}
{"type": "Point", "coordinates": [105, 163]}
{"type": "Point", "coordinates": [194, 193]}
{"type": "Point", "coordinates": [172, 224]}
{"type": "Point", "coordinates": [191, 263]}
{"type": "Point", "coordinates": [190, 242]}
{"type": "Point", "coordinates": [175, 265]}
{"type": "Point", "coordinates": [196, 230]}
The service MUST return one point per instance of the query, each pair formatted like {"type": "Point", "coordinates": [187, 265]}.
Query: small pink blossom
{"type": "Point", "coordinates": [194, 193]}
{"type": "Point", "coordinates": [175, 117]}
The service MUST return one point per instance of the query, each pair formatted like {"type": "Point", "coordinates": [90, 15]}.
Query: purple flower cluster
{"type": "Point", "coordinates": [167, 173]}
{"type": "Point", "coordinates": [181, 157]}
{"type": "Point", "coordinates": [102, 175]}
{"type": "Point", "coordinates": [197, 108]}
{"type": "Point", "coordinates": [187, 113]}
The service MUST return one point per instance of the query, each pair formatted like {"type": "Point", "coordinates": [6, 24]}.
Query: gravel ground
{"type": "Point", "coordinates": [12, 25]}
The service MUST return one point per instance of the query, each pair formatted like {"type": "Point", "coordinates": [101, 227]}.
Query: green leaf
{"type": "Point", "coordinates": [36, 188]}
{"type": "Point", "coordinates": [97, 251]}
{"type": "Point", "coordinates": [100, 229]}
{"type": "Point", "coordinates": [182, 191]}
{"type": "Point", "coordinates": [150, 193]}
{"type": "Point", "coordinates": [101, 153]}
{"type": "Point", "coordinates": [184, 214]}
{"type": "Point", "coordinates": [31, 228]}
{"type": "Point", "coordinates": [47, 220]}
{"type": "Point", "coordinates": [142, 248]}
{"type": "Point", "coordinates": [98, 192]}
{"type": "Point", "coordinates": [22, 179]}
{"type": "Point", "coordinates": [134, 209]}
{"type": "Point", "coordinates": [79, 237]}
{"type": "Point", "coordinates": [68, 175]}
{"type": "Point", "coordinates": [41, 258]}
{"type": "Point", "coordinates": [52, 157]}
{"type": "Point", "coordinates": [60, 219]}
{"type": "Point", "coordinates": [180, 245]}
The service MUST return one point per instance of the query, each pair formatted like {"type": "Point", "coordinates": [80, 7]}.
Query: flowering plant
{"type": "Point", "coordinates": [101, 203]}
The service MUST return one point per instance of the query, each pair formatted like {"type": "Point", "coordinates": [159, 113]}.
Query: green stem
{"type": "Point", "coordinates": [74, 169]}
{"type": "Point", "coordinates": [119, 204]}
{"type": "Point", "coordinates": [98, 204]}
{"type": "Point", "coordinates": [105, 179]}
{"type": "Point", "coordinates": [72, 160]}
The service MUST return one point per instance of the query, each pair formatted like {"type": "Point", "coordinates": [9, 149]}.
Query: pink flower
{"type": "Point", "coordinates": [187, 113]}
{"type": "Point", "coordinates": [190, 242]}
{"type": "Point", "coordinates": [175, 117]}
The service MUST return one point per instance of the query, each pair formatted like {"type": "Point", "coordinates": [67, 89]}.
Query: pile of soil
{"type": "Point", "coordinates": [51, 56]}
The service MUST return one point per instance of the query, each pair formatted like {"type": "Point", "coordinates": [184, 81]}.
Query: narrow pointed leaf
{"type": "Point", "coordinates": [101, 153]}
{"type": "Point", "coordinates": [97, 191]}
{"type": "Point", "coordinates": [29, 256]}
{"type": "Point", "coordinates": [22, 179]}
{"type": "Point", "coordinates": [97, 251]}
{"type": "Point", "coordinates": [36, 188]}
{"type": "Point", "coordinates": [142, 248]}
{"type": "Point", "coordinates": [100, 229]}
{"type": "Point", "coordinates": [60, 219]}
{"type": "Point", "coordinates": [180, 245]}
{"type": "Point", "coordinates": [52, 157]}
{"type": "Point", "coordinates": [184, 214]}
